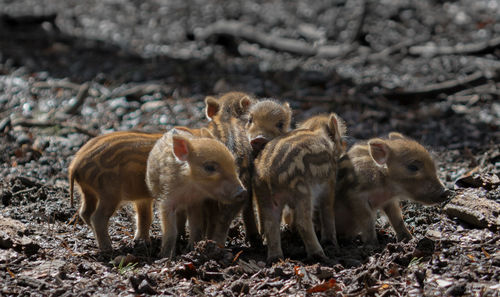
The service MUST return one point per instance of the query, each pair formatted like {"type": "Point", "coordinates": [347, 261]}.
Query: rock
{"type": "Point", "coordinates": [456, 290]}
{"type": "Point", "coordinates": [474, 210]}
{"type": "Point", "coordinates": [123, 261]}
{"type": "Point", "coordinates": [240, 287]}
{"type": "Point", "coordinates": [485, 181]}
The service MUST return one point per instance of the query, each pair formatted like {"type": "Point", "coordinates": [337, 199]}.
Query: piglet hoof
{"type": "Point", "coordinates": [141, 244]}
{"type": "Point", "coordinates": [405, 237]}
{"type": "Point", "coordinates": [317, 258]}
{"type": "Point", "coordinates": [329, 243]}
{"type": "Point", "coordinates": [166, 253]}
{"type": "Point", "coordinates": [273, 259]}
{"type": "Point", "coordinates": [105, 255]}
{"type": "Point", "coordinates": [330, 250]}
{"type": "Point", "coordinates": [255, 242]}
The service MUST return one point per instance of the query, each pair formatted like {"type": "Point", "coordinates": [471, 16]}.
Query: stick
{"type": "Point", "coordinates": [251, 34]}
{"type": "Point", "coordinates": [24, 191]}
{"type": "Point", "coordinates": [358, 29]}
{"type": "Point", "coordinates": [458, 49]}
{"type": "Point", "coordinates": [444, 87]}
{"type": "Point", "coordinates": [33, 123]}
{"type": "Point", "coordinates": [80, 99]}
{"type": "Point", "coordinates": [56, 84]}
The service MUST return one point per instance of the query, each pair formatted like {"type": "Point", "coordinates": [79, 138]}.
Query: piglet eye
{"type": "Point", "coordinates": [412, 168]}
{"type": "Point", "coordinates": [250, 119]}
{"type": "Point", "coordinates": [279, 125]}
{"type": "Point", "coordinates": [209, 167]}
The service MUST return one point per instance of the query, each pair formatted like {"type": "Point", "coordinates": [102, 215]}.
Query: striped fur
{"type": "Point", "coordinates": [230, 131]}
{"type": "Point", "coordinates": [183, 172]}
{"type": "Point", "coordinates": [375, 175]}
{"type": "Point", "coordinates": [110, 169]}
{"type": "Point", "coordinates": [297, 169]}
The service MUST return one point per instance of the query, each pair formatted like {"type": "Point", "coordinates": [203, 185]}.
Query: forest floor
{"type": "Point", "coordinates": [70, 70]}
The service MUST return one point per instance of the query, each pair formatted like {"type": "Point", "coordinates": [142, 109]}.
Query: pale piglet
{"type": "Point", "coordinates": [377, 175]}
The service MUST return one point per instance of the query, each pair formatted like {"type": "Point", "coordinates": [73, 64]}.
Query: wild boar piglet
{"type": "Point", "coordinates": [109, 171]}
{"type": "Point", "coordinates": [376, 175]}
{"type": "Point", "coordinates": [267, 119]}
{"type": "Point", "coordinates": [231, 104]}
{"type": "Point", "coordinates": [182, 172]}
{"type": "Point", "coordinates": [227, 116]}
{"type": "Point", "coordinates": [297, 170]}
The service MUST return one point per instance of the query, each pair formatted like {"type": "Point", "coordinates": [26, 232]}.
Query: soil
{"type": "Point", "coordinates": [70, 70]}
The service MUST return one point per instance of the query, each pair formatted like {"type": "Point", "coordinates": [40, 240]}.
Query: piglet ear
{"type": "Point", "coordinates": [287, 106]}
{"type": "Point", "coordinates": [333, 126]}
{"type": "Point", "coordinates": [245, 103]}
{"type": "Point", "coordinates": [395, 135]}
{"type": "Point", "coordinates": [181, 147]}
{"type": "Point", "coordinates": [379, 151]}
{"type": "Point", "coordinates": [212, 107]}
{"type": "Point", "coordinates": [204, 132]}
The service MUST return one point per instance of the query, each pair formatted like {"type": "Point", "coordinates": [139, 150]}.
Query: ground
{"type": "Point", "coordinates": [71, 69]}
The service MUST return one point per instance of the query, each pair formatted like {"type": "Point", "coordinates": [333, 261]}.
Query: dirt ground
{"type": "Point", "coordinates": [70, 70]}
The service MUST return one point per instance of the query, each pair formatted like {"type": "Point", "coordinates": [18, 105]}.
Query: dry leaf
{"type": "Point", "coordinates": [237, 256]}
{"type": "Point", "coordinates": [322, 287]}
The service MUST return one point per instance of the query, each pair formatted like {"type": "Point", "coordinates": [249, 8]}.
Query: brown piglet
{"type": "Point", "coordinates": [182, 172]}
{"type": "Point", "coordinates": [110, 170]}
{"type": "Point", "coordinates": [227, 114]}
{"type": "Point", "coordinates": [376, 175]}
{"type": "Point", "coordinates": [297, 169]}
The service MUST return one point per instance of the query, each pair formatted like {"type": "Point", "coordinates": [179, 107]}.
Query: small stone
{"type": "Point", "coordinates": [239, 287]}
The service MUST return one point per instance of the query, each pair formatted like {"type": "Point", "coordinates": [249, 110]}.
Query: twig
{"type": "Point", "coordinates": [33, 123]}
{"type": "Point", "coordinates": [449, 86]}
{"type": "Point", "coordinates": [24, 191]}
{"type": "Point", "coordinates": [56, 84]}
{"type": "Point", "coordinates": [458, 49]}
{"type": "Point", "coordinates": [358, 29]}
{"type": "Point", "coordinates": [140, 90]}
{"type": "Point", "coordinates": [80, 99]}
{"type": "Point", "coordinates": [27, 19]}
{"type": "Point", "coordinates": [251, 34]}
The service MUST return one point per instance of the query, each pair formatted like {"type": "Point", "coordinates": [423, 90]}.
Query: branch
{"type": "Point", "coordinates": [34, 123]}
{"type": "Point", "coordinates": [80, 99]}
{"type": "Point", "coordinates": [251, 34]}
{"type": "Point", "coordinates": [458, 49]}
{"type": "Point", "coordinates": [358, 29]}
{"type": "Point", "coordinates": [449, 86]}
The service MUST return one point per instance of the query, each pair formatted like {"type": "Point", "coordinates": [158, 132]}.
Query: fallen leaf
{"type": "Point", "coordinates": [323, 286]}
{"type": "Point", "coordinates": [10, 272]}
{"type": "Point", "coordinates": [237, 256]}
{"type": "Point", "coordinates": [471, 257]}
{"type": "Point", "coordinates": [297, 272]}
{"type": "Point", "coordinates": [444, 283]}
{"type": "Point", "coordinates": [384, 286]}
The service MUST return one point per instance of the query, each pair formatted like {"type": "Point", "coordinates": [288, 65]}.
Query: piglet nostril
{"type": "Point", "coordinates": [258, 143]}
{"type": "Point", "coordinates": [446, 194]}
{"type": "Point", "coordinates": [240, 193]}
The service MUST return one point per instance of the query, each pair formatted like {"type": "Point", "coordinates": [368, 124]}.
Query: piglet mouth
{"type": "Point", "coordinates": [258, 143]}
{"type": "Point", "coordinates": [443, 195]}
{"type": "Point", "coordinates": [239, 194]}
{"type": "Point", "coordinates": [235, 196]}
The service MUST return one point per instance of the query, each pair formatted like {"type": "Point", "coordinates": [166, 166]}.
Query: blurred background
{"type": "Point", "coordinates": [73, 69]}
{"type": "Point", "coordinates": [425, 68]}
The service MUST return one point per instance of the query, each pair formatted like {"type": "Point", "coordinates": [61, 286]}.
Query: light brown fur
{"type": "Point", "coordinates": [267, 120]}
{"type": "Point", "coordinates": [227, 115]}
{"type": "Point", "coordinates": [231, 104]}
{"type": "Point", "coordinates": [297, 169]}
{"type": "Point", "coordinates": [110, 170]}
{"type": "Point", "coordinates": [184, 171]}
{"type": "Point", "coordinates": [377, 175]}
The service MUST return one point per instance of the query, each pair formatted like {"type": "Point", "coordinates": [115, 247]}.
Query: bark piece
{"type": "Point", "coordinates": [474, 210]}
